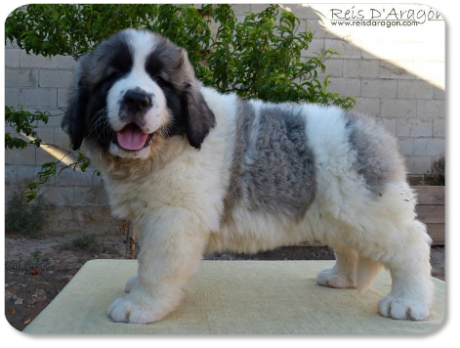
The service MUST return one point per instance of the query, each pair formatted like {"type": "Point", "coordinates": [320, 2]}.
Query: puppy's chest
{"type": "Point", "coordinates": [177, 184]}
{"type": "Point", "coordinates": [129, 199]}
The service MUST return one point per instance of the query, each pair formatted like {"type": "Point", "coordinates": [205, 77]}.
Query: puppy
{"type": "Point", "coordinates": [197, 171]}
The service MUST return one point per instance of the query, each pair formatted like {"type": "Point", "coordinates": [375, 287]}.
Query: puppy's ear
{"type": "Point", "coordinates": [199, 119]}
{"type": "Point", "coordinates": [74, 121]}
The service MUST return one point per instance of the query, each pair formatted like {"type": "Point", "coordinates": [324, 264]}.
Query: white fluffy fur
{"type": "Point", "coordinates": [175, 198]}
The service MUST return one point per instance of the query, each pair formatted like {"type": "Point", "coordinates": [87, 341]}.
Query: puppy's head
{"type": "Point", "coordinates": [133, 90]}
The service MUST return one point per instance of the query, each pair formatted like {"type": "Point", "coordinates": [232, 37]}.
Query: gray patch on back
{"type": "Point", "coordinates": [378, 158]}
{"type": "Point", "coordinates": [273, 168]}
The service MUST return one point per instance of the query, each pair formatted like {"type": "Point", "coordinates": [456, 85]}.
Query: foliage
{"type": "Point", "coordinates": [50, 169]}
{"type": "Point", "coordinates": [258, 57]}
{"type": "Point", "coordinates": [438, 175]}
{"type": "Point", "coordinates": [36, 262]}
{"type": "Point", "coordinates": [84, 242]}
{"type": "Point", "coordinates": [26, 123]}
{"type": "Point", "coordinates": [24, 218]}
{"type": "Point", "coordinates": [23, 122]}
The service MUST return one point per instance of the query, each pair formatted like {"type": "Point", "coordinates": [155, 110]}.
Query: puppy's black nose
{"type": "Point", "coordinates": [137, 100]}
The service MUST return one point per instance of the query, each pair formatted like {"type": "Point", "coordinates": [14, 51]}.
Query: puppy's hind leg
{"type": "Point", "coordinates": [409, 264]}
{"type": "Point", "coordinates": [343, 274]}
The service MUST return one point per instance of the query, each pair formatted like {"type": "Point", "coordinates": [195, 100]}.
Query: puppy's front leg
{"type": "Point", "coordinates": [172, 242]}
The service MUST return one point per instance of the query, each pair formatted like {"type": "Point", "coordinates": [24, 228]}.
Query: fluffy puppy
{"type": "Point", "coordinates": [197, 171]}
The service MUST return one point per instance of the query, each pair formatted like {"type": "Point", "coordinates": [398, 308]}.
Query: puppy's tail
{"type": "Point", "coordinates": [368, 270]}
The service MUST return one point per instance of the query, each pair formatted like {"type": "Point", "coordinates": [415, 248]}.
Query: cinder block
{"type": "Point", "coordinates": [61, 139]}
{"type": "Point", "coordinates": [28, 174]}
{"type": "Point", "coordinates": [241, 9]}
{"type": "Point", "coordinates": [439, 93]}
{"type": "Point", "coordinates": [63, 96]}
{"type": "Point", "coordinates": [346, 87]}
{"type": "Point", "coordinates": [102, 213]}
{"type": "Point", "coordinates": [36, 61]}
{"type": "Point", "coordinates": [378, 88]}
{"type": "Point", "coordinates": [361, 68]}
{"type": "Point", "coordinates": [20, 156]}
{"type": "Point", "coordinates": [21, 78]}
{"type": "Point", "coordinates": [11, 44]}
{"type": "Point", "coordinates": [70, 177]}
{"type": "Point", "coordinates": [390, 70]}
{"type": "Point", "coordinates": [92, 196]}
{"type": "Point", "coordinates": [439, 128]}
{"type": "Point", "coordinates": [389, 124]}
{"type": "Point", "coordinates": [69, 226]}
{"type": "Point", "coordinates": [429, 147]}
{"type": "Point", "coordinates": [415, 89]}
{"type": "Point", "coordinates": [65, 62]}
{"type": "Point", "coordinates": [11, 174]}
{"type": "Point", "coordinates": [258, 7]}
{"type": "Point", "coordinates": [316, 46]}
{"type": "Point", "coordinates": [55, 118]}
{"type": "Point", "coordinates": [317, 27]}
{"type": "Point", "coordinates": [46, 134]}
{"type": "Point", "coordinates": [368, 106]}
{"type": "Point", "coordinates": [12, 97]}
{"type": "Point", "coordinates": [406, 146]}
{"type": "Point", "coordinates": [334, 67]}
{"type": "Point", "coordinates": [430, 109]}
{"type": "Point", "coordinates": [48, 153]}
{"type": "Point", "coordinates": [60, 213]}
{"type": "Point", "coordinates": [398, 108]}
{"type": "Point", "coordinates": [98, 180]}
{"type": "Point", "coordinates": [414, 127]}
{"type": "Point", "coordinates": [59, 196]}
{"type": "Point", "coordinates": [42, 97]}
{"type": "Point", "coordinates": [11, 191]}
{"type": "Point", "coordinates": [345, 49]}
{"type": "Point", "coordinates": [56, 78]}
{"type": "Point", "coordinates": [418, 164]}
{"type": "Point", "coordinates": [12, 58]}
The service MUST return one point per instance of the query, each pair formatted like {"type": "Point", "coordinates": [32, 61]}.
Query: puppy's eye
{"type": "Point", "coordinates": [116, 73]}
{"type": "Point", "coordinates": [159, 79]}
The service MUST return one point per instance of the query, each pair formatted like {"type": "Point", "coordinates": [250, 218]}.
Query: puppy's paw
{"type": "Point", "coordinates": [125, 310]}
{"type": "Point", "coordinates": [332, 279]}
{"type": "Point", "coordinates": [403, 308]}
{"type": "Point", "coordinates": [131, 283]}
{"type": "Point", "coordinates": [140, 307]}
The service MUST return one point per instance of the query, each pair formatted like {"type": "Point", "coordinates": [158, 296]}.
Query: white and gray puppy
{"type": "Point", "coordinates": [197, 171]}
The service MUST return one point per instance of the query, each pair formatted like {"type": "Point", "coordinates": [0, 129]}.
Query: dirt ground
{"type": "Point", "coordinates": [37, 269]}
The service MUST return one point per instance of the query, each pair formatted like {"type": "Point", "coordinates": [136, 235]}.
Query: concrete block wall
{"type": "Point", "coordinates": [395, 74]}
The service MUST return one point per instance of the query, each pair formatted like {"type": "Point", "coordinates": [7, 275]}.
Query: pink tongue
{"type": "Point", "coordinates": [131, 138]}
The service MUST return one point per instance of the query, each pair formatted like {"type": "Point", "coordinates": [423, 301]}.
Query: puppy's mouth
{"type": "Point", "coordinates": [132, 138]}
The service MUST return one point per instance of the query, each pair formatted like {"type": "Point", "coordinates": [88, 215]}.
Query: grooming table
{"type": "Point", "coordinates": [233, 297]}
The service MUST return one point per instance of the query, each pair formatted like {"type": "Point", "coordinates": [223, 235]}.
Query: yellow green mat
{"type": "Point", "coordinates": [233, 297]}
